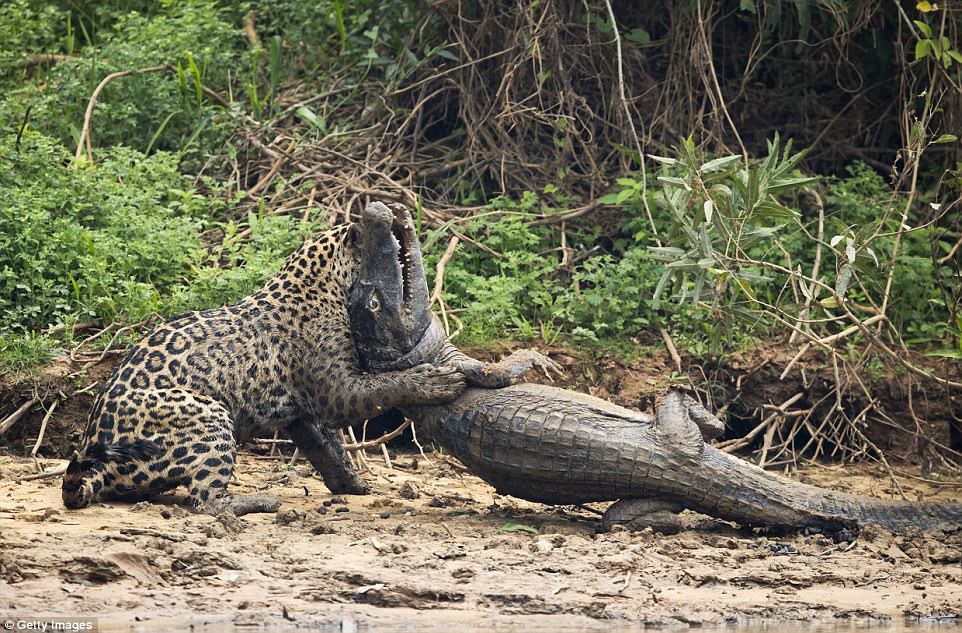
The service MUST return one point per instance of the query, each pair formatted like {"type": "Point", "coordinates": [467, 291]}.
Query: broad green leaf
{"type": "Point", "coordinates": [624, 194]}
{"type": "Point", "coordinates": [925, 28]}
{"type": "Point", "coordinates": [609, 198]}
{"type": "Point", "coordinates": [638, 35]}
{"type": "Point", "coordinates": [789, 183]}
{"type": "Point", "coordinates": [946, 353]}
{"type": "Point", "coordinates": [921, 49]}
{"type": "Point", "coordinates": [746, 288]}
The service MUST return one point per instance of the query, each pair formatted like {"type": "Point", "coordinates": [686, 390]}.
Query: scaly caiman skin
{"type": "Point", "coordinates": [546, 444]}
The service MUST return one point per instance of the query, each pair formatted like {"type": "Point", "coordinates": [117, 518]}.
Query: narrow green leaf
{"type": "Point", "coordinates": [720, 163]}
{"type": "Point", "coordinates": [945, 138]}
{"type": "Point", "coordinates": [843, 279]}
{"type": "Point", "coordinates": [664, 160]}
{"type": "Point", "coordinates": [678, 182]}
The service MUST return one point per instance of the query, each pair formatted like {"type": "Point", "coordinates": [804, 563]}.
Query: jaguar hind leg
{"type": "Point", "coordinates": [321, 446]}
{"type": "Point", "coordinates": [182, 439]}
{"type": "Point", "coordinates": [205, 462]}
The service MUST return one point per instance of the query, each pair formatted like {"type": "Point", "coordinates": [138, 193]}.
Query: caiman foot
{"type": "Point", "coordinates": [509, 370]}
{"type": "Point", "coordinates": [239, 505]}
{"type": "Point", "coordinates": [638, 514]}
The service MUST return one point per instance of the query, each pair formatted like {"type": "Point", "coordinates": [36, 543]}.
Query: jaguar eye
{"type": "Point", "coordinates": [374, 305]}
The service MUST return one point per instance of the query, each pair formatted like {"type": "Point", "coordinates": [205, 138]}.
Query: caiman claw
{"type": "Point", "coordinates": [531, 359]}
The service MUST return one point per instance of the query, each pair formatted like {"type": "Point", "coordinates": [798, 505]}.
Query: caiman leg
{"type": "Point", "coordinates": [507, 371]}
{"type": "Point", "coordinates": [435, 348]}
{"type": "Point", "coordinates": [658, 514]}
{"type": "Point", "coordinates": [638, 514]}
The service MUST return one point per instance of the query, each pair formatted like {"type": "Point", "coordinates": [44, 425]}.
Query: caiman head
{"type": "Point", "coordinates": [388, 305]}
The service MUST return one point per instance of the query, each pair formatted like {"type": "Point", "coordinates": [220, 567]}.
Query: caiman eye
{"type": "Point", "coordinates": [374, 305]}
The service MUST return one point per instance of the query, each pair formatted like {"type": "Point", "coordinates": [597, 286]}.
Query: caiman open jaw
{"type": "Point", "coordinates": [388, 305]}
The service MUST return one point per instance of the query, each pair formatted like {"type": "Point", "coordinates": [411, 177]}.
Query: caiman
{"type": "Point", "coordinates": [550, 445]}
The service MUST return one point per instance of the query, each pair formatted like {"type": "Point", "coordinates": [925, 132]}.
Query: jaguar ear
{"type": "Point", "coordinates": [353, 235]}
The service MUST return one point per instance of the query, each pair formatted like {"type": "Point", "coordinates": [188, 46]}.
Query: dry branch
{"type": "Point", "coordinates": [16, 415]}
{"type": "Point", "coordinates": [84, 141]}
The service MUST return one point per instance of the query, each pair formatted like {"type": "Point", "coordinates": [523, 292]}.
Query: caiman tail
{"type": "Point", "coordinates": [554, 446]}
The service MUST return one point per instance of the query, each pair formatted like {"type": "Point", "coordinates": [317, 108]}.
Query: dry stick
{"type": "Point", "coordinates": [43, 428]}
{"type": "Point", "coordinates": [387, 457]}
{"type": "Point", "coordinates": [767, 443]}
{"type": "Point", "coordinates": [630, 122]}
{"type": "Point", "coordinates": [274, 444]}
{"type": "Point", "coordinates": [672, 350]}
{"type": "Point", "coordinates": [414, 438]}
{"type": "Point", "coordinates": [825, 341]}
{"type": "Point", "coordinates": [16, 415]}
{"type": "Point", "coordinates": [269, 176]}
{"type": "Point", "coordinates": [951, 253]}
{"type": "Point", "coordinates": [350, 456]}
{"type": "Point", "coordinates": [44, 475]}
{"type": "Point", "coordinates": [261, 440]}
{"type": "Point", "coordinates": [360, 453]}
{"type": "Point", "coordinates": [714, 78]}
{"type": "Point", "coordinates": [23, 126]}
{"type": "Point", "coordinates": [297, 453]}
{"type": "Point", "coordinates": [85, 130]}
{"type": "Point", "coordinates": [439, 277]}
{"type": "Point", "coordinates": [810, 295]}
{"type": "Point", "coordinates": [732, 445]}
{"type": "Point", "coordinates": [387, 437]}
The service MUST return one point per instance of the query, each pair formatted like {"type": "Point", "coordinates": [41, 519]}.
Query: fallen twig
{"type": "Point", "coordinates": [672, 350]}
{"type": "Point", "coordinates": [84, 140]}
{"type": "Point", "coordinates": [16, 415]}
{"type": "Point", "coordinates": [47, 474]}
{"type": "Point", "coordinates": [43, 428]}
{"type": "Point", "coordinates": [439, 277]}
{"type": "Point", "coordinates": [387, 437]}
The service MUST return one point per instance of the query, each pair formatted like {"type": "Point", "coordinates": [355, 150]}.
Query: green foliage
{"type": "Point", "coordinates": [938, 46]}
{"type": "Point", "coordinates": [141, 110]}
{"type": "Point", "coordinates": [235, 268]}
{"type": "Point", "coordinates": [131, 235]}
{"type": "Point", "coordinates": [119, 241]}
{"type": "Point", "coordinates": [98, 243]}
{"type": "Point", "coordinates": [21, 355]}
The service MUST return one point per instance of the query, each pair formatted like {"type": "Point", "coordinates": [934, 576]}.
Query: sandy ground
{"type": "Point", "coordinates": [436, 546]}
